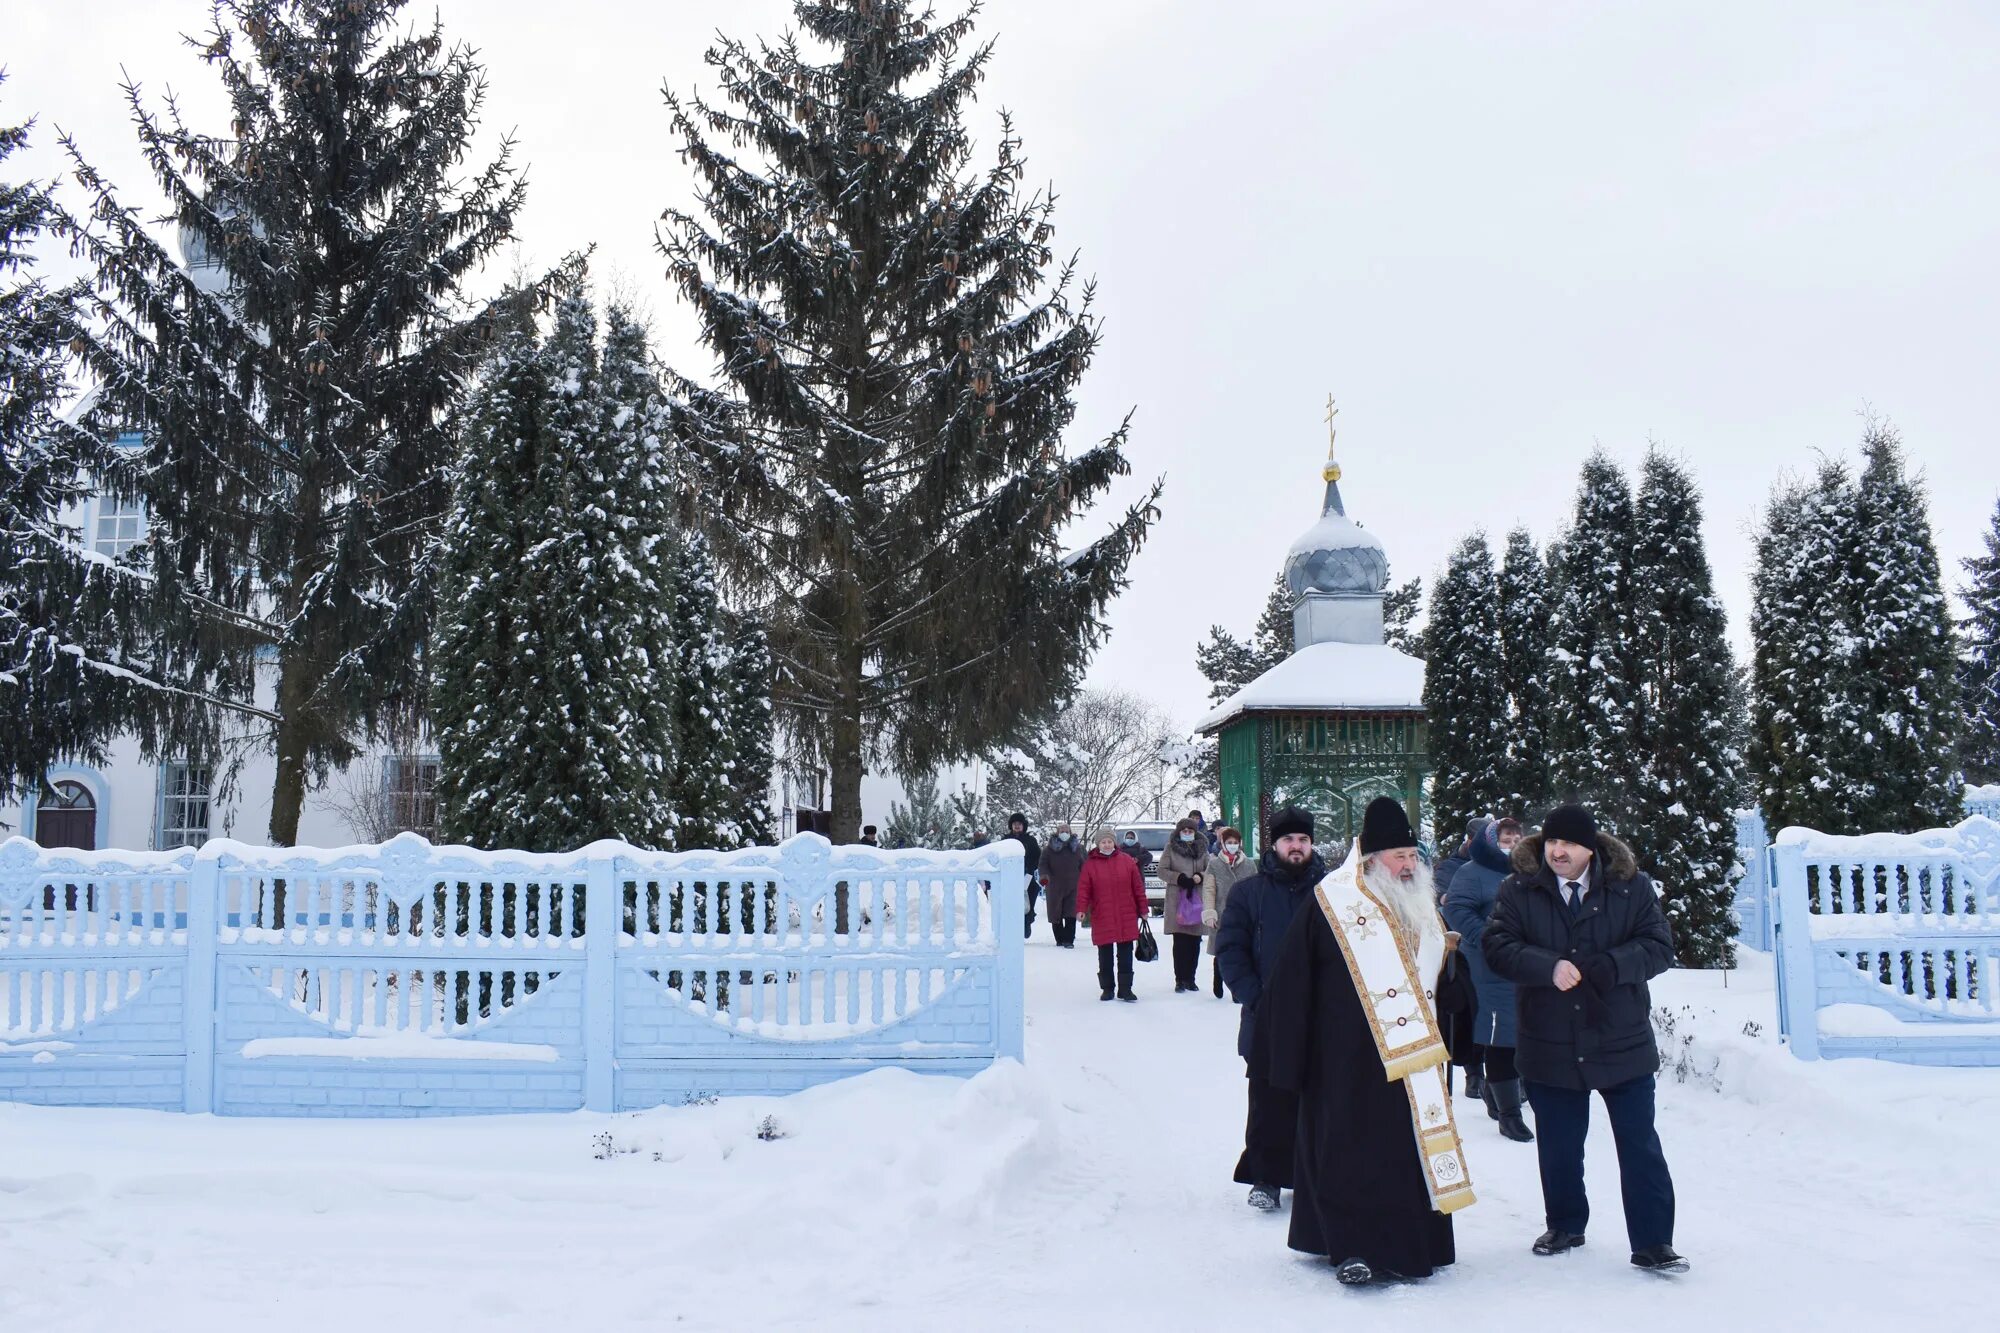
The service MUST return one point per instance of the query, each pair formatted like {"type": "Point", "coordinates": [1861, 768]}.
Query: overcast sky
{"type": "Point", "coordinates": [1499, 233]}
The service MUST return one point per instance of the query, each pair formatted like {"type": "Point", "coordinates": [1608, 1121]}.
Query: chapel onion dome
{"type": "Point", "coordinates": [1336, 555]}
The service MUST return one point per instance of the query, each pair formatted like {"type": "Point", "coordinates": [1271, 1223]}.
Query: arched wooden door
{"type": "Point", "coordinates": [66, 816]}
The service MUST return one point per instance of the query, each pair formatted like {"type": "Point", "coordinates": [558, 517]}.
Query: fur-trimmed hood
{"type": "Point", "coordinates": [1619, 863]}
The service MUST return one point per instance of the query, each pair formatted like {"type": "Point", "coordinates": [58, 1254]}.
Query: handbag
{"type": "Point", "coordinates": [1187, 911]}
{"type": "Point", "coordinates": [1147, 949]}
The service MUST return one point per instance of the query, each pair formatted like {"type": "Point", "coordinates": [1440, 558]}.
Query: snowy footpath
{"type": "Point", "coordinates": [1087, 1190]}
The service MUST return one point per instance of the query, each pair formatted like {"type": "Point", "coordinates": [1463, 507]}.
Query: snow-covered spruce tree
{"type": "Point", "coordinates": [1979, 664]}
{"type": "Point", "coordinates": [1806, 763]}
{"type": "Point", "coordinates": [1907, 655]}
{"type": "Point", "coordinates": [1524, 662]}
{"type": "Point", "coordinates": [554, 720]}
{"type": "Point", "coordinates": [74, 669]}
{"type": "Point", "coordinates": [1465, 693]}
{"type": "Point", "coordinates": [1693, 778]}
{"type": "Point", "coordinates": [1400, 607]}
{"type": "Point", "coordinates": [294, 387]}
{"type": "Point", "coordinates": [885, 460]}
{"type": "Point", "coordinates": [1597, 734]}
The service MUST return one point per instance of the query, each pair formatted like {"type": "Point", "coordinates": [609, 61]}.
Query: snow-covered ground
{"type": "Point", "coordinates": [1087, 1190]}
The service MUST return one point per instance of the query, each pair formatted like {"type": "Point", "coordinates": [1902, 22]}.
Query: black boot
{"type": "Point", "coordinates": [1106, 995]}
{"type": "Point", "coordinates": [1475, 1086]}
{"type": "Point", "coordinates": [1557, 1241]}
{"type": "Point", "coordinates": [1492, 1107]}
{"type": "Point", "coordinates": [1507, 1096]}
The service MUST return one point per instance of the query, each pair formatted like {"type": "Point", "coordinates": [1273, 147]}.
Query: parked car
{"type": "Point", "coordinates": [1153, 837]}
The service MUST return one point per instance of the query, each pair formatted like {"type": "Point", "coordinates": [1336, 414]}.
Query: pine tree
{"type": "Point", "coordinates": [1228, 663]}
{"type": "Point", "coordinates": [1465, 693]}
{"type": "Point", "coordinates": [1525, 602]}
{"type": "Point", "coordinates": [555, 722]}
{"type": "Point", "coordinates": [1907, 654]}
{"type": "Point", "coordinates": [74, 670]}
{"type": "Point", "coordinates": [294, 390]}
{"type": "Point", "coordinates": [1598, 735]}
{"type": "Point", "coordinates": [885, 461]}
{"type": "Point", "coordinates": [1979, 666]}
{"type": "Point", "coordinates": [1686, 808]}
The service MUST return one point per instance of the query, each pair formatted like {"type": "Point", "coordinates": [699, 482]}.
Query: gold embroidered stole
{"type": "Point", "coordinates": [1402, 1015]}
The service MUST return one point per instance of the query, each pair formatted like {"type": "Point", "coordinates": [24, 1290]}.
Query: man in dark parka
{"type": "Point", "coordinates": [1579, 931]}
{"type": "Point", "coordinates": [1254, 922]}
{"type": "Point", "coordinates": [1031, 860]}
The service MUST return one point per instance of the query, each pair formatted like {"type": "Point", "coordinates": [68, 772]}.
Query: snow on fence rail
{"type": "Point", "coordinates": [1888, 945]}
{"type": "Point", "coordinates": [407, 979]}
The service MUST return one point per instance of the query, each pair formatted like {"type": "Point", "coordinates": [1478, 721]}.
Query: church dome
{"type": "Point", "coordinates": [1336, 554]}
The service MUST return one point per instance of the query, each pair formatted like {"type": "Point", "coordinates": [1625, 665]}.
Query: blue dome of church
{"type": "Point", "coordinates": [1336, 554]}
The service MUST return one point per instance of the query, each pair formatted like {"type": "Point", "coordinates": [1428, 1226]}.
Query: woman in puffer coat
{"type": "Point", "coordinates": [1468, 905]}
{"type": "Point", "coordinates": [1224, 869]}
{"type": "Point", "coordinates": [1183, 871]}
{"type": "Point", "coordinates": [1112, 893]}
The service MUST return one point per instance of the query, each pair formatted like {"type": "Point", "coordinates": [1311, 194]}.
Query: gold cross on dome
{"type": "Point", "coordinates": [1331, 471]}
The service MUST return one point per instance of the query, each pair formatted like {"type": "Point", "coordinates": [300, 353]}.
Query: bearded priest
{"type": "Point", "coordinates": [1351, 1018]}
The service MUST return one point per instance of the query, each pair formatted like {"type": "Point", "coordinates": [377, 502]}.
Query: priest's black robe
{"type": "Point", "coordinates": [1358, 1182]}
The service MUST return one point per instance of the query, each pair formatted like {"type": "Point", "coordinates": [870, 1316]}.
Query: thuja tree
{"type": "Point", "coordinates": [1687, 802]}
{"type": "Point", "coordinates": [1979, 667]}
{"type": "Point", "coordinates": [1465, 691]}
{"type": "Point", "coordinates": [1598, 736]}
{"type": "Point", "coordinates": [884, 455]}
{"type": "Point", "coordinates": [1524, 662]}
{"type": "Point", "coordinates": [294, 388]}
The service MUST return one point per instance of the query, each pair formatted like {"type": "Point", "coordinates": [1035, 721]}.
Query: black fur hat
{"type": "Point", "coordinates": [1291, 820]}
{"type": "Point", "coordinates": [1385, 826]}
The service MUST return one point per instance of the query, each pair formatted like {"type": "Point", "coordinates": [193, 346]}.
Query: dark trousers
{"type": "Point", "coordinates": [1062, 917]}
{"type": "Point", "coordinates": [1270, 1136]}
{"type": "Point", "coordinates": [1187, 960]}
{"type": "Point", "coordinates": [1562, 1118]}
{"type": "Point", "coordinates": [1034, 891]}
{"type": "Point", "coordinates": [1124, 948]}
{"type": "Point", "coordinates": [1496, 1062]}
{"type": "Point", "coordinates": [1215, 975]}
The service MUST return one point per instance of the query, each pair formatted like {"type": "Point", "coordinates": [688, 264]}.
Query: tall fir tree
{"type": "Point", "coordinates": [294, 385]}
{"type": "Point", "coordinates": [1400, 607]}
{"type": "Point", "coordinates": [1979, 664]}
{"type": "Point", "coordinates": [885, 460]}
{"type": "Point", "coordinates": [1598, 735]}
{"type": "Point", "coordinates": [75, 665]}
{"type": "Point", "coordinates": [1228, 663]}
{"type": "Point", "coordinates": [1907, 653]}
{"type": "Point", "coordinates": [704, 791]}
{"type": "Point", "coordinates": [748, 715]}
{"type": "Point", "coordinates": [1465, 691]}
{"type": "Point", "coordinates": [1686, 807]}
{"type": "Point", "coordinates": [554, 721]}
{"type": "Point", "coordinates": [1525, 604]}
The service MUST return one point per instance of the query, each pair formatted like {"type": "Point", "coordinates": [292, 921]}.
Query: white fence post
{"type": "Point", "coordinates": [198, 990]}
{"type": "Point", "coordinates": [1010, 1001]}
{"type": "Point", "coordinates": [1793, 930]}
{"type": "Point", "coordinates": [603, 920]}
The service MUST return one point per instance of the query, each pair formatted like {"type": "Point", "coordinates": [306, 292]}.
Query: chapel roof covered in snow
{"type": "Point", "coordinates": [1329, 677]}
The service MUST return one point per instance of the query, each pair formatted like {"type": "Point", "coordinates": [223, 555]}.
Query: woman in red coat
{"type": "Point", "coordinates": [1112, 893]}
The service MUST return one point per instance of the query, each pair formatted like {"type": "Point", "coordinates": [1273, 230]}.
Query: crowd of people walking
{"type": "Point", "coordinates": [1520, 961]}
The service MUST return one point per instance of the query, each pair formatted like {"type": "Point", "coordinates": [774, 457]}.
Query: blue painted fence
{"type": "Point", "coordinates": [1888, 945]}
{"type": "Point", "coordinates": [1753, 884]}
{"type": "Point", "coordinates": [408, 979]}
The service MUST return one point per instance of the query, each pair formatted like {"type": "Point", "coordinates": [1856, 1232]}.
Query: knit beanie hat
{"type": "Point", "coordinates": [1105, 834]}
{"type": "Point", "coordinates": [1571, 823]}
{"type": "Point", "coordinates": [1291, 820]}
{"type": "Point", "coordinates": [1385, 826]}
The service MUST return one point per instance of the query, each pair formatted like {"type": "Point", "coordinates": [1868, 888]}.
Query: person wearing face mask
{"type": "Point", "coordinates": [1228, 866]}
{"type": "Point", "coordinates": [1130, 846]}
{"type": "Point", "coordinates": [1031, 860]}
{"type": "Point", "coordinates": [1184, 873]}
{"type": "Point", "coordinates": [1062, 864]}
